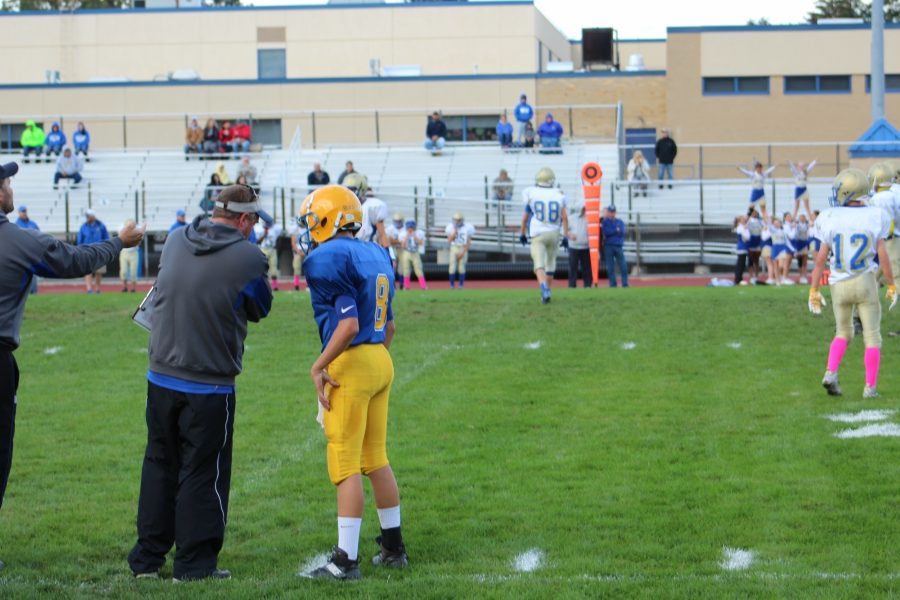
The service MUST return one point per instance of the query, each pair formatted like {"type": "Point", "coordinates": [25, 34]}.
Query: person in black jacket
{"type": "Point", "coordinates": [666, 150]}
{"type": "Point", "coordinates": [435, 133]}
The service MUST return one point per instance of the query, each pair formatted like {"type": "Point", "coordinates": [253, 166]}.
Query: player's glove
{"type": "Point", "coordinates": [523, 239]}
{"type": "Point", "coordinates": [816, 301]}
{"type": "Point", "coordinates": [891, 295]}
{"type": "Point", "coordinates": [564, 242]}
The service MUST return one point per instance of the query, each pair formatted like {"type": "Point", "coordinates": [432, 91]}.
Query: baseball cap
{"type": "Point", "coordinates": [23, 208]}
{"type": "Point", "coordinates": [411, 224]}
{"type": "Point", "coordinates": [243, 207]}
{"type": "Point", "coordinates": [90, 213]}
{"type": "Point", "coordinates": [179, 213]}
{"type": "Point", "coordinates": [611, 208]}
{"type": "Point", "coordinates": [8, 170]}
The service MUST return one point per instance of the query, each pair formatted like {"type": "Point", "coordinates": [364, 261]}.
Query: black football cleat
{"type": "Point", "coordinates": [392, 559]}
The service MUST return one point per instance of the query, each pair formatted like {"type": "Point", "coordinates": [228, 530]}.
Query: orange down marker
{"type": "Point", "coordinates": [591, 174]}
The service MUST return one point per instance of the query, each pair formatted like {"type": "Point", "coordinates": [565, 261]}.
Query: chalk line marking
{"type": "Point", "coordinates": [313, 563]}
{"type": "Point", "coordinates": [533, 345]}
{"type": "Point", "coordinates": [736, 559]}
{"type": "Point", "coordinates": [529, 561]}
{"type": "Point", "coordinates": [53, 350]}
{"type": "Point", "coordinates": [874, 430]}
{"type": "Point", "coordinates": [629, 346]}
{"type": "Point", "coordinates": [863, 416]}
{"type": "Point", "coordinates": [735, 345]}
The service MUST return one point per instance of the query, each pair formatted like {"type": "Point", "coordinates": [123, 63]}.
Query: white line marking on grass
{"type": "Point", "coordinates": [877, 430]}
{"type": "Point", "coordinates": [52, 350]}
{"type": "Point", "coordinates": [736, 559]}
{"type": "Point", "coordinates": [533, 345]}
{"type": "Point", "coordinates": [629, 346]}
{"type": "Point", "coordinates": [735, 345]}
{"type": "Point", "coordinates": [863, 416]}
{"type": "Point", "coordinates": [313, 563]}
{"type": "Point", "coordinates": [529, 560]}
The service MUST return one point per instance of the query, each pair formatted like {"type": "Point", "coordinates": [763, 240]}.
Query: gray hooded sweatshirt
{"type": "Point", "coordinates": [211, 282]}
{"type": "Point", "coordinates": [26, 253]}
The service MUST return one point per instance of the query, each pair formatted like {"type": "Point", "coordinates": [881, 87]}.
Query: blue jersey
{"type": "Point", "coordinates": [351, 278]}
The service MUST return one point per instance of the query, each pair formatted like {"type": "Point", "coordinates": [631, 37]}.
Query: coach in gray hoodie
{"type": "Point", "coordinates": [211, 282]}
{"type": "Point", "coordinates": [26, 253]}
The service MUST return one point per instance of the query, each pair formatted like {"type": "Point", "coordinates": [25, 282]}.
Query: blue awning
{"type": "Point", "coordinates": [881, 140]}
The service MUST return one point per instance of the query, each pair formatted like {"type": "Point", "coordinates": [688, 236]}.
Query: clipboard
{"type": "Point", "coordinates": [143, 315]}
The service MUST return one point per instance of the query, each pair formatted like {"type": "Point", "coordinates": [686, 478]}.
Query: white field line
{"type": "Point", "coordinates": [735, 345]}
{"type": "Point", "coordinates": [629, 346]}
{"type": "Point", "coordinates": [529, 560]}
{"type": "Point", "coordinates": [314, 562]}
{"type": "Point", "coordinates": [533, 345]}
{"type": "Point", "coordinates": [863, 416]}
{"type": "Point", "coordinates": [736, 559]}
{"type": "Point", "coordinates": [875, 430]}
{"type": "Point", "coordinates": [615, 578]}
{"type": "Point", "coordinates": [53, 350]}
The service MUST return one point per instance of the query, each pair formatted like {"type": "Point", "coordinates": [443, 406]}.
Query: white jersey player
{"type": "Point", "coordinates": [881, 176]}
{"type": "Point", "coordinates": [459, 234]}
{"type": "Point", "coordinates": [374, 211]}
{"type": "Point", "coordinates": [853, 234]}
{"type": "Point", "coordinates": [267, 235]}
{"type": "Point", "coordinates": [545, 214]}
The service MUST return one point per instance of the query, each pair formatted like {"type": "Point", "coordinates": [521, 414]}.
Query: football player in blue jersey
{"type": "Point", "coordinates": [351, 283]}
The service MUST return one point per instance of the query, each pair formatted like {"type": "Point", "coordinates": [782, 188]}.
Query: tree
{"type": "Point", "coordinates": [760, 21]}
{"type": "Point", "coordinates": [852, 9]}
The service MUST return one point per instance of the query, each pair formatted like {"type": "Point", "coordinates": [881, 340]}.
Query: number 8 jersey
{"type": "Point", "coordinates": [351, 278]}
{"type": "Point", "coordinates": [853, 233]}
{"type": "Point", "coordinates": [545, 205]}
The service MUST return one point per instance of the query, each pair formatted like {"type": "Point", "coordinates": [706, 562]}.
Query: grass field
{"type": "Point", "coordinates": [615, 443]}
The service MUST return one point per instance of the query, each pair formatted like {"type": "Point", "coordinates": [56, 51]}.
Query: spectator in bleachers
{"type": "Point", "coordinates": [638, 173]}
{"type": "Point", "coordinates": [25, 223]}
{"type": "Point", "coordinates": [666, 150]}
{"type": "Point", "coordinates": [241, 140]}
{"type": "Point", "coordinates": [128, 263]}
{"type": "Point", "coordinates": [211, 137]}
{"type": "Point", "coordinates": [226, 137]}
{"type": "Point", "coordinates": [247, 169]}
{"type": "Point", "coordinates": [68, 166]}
{"type": "Point", "coordinates": [503, 186]}
{"type": "Point", "coordinates": [524, 114]}
{"type": "Point", "coordinates": [504, 132]}
{"type": "Point", "coordinates": [613, 244]}
{"type": "Point", "coordinates": [32, 141]}
{"type": "Point", "coordinates": [348, 168]}
{"type": "Point", "coordinates": [81, 140]}
{"type": "Point", "coordinates": [55, 141]}
{"type": "Point", "coordinates": [550, 133]}
{"type": "Point", "coordinates": [224, 179]}
{"type": "Point", "coordinates": [180, 220]}
{"type": "Point", "coordinates": [435, 133]}
{"type": "Point", "coordinates": [317, 177]}
{"type": "Point", "coordinates": [193, 138]}
{"type": "Point", "coordinates": [212, 192]}
{"type": "Point", "coordinates": [91, 232]}
{"type": "Point", "coordinates": [529, 137]}
{"type": "Point", "coordinates": [579, 252]}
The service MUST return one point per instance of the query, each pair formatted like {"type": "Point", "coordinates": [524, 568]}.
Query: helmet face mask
{"type": "Point", "coordinates": [545, 177]}
{"type": "Point", "coordinates": [325, 212]}
{"type": "Point", "coordinates": [850, 185]}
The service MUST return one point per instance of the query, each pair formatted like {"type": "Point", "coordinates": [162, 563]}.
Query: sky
{"type": "Point", "coordinates": [645, 18]}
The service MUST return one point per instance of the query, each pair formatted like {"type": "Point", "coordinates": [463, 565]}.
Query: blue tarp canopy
{"type": "Point", "coordinates": [881, 140]}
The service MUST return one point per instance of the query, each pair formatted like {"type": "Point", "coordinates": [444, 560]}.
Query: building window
{"type": "Point", "coordinates": [717, 86]}
{"type": "Point", "coordinates": [817, 84]}
{"type": "Point", "coordinates": [891, 83]}
{"type": "Point", "coordinates": [470, 128]}
{"type": "Point", "coordinates": [272, 64]}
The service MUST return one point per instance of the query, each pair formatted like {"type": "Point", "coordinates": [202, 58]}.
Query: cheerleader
{"type": "Point", "coordinates": [754, 245]}
{"type": "Point", "coordinates": [758, 186]}
{"type": "Point", "coordinates": [771, 273]}
{"type": "Point", "coordinates": [782, 252]}
{"type": "Point", "coordinates": [800, 242]}
{"type": "Point", "coordinates": [801, 173]}
{"type": "Point", "coordinates": [743, 240]}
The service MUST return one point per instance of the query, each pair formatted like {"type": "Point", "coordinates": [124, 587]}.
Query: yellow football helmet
{"type": "Point", "coordinates": [326, 211]}
{"type": "Point", "coordinates": [357, 183]}
{"type": "Point", "coordinates": [895, 165]}
{"type": "Point", "coordinates": [458, 217]}
{"type": "Point", "coordinates": [850, 185]}
{"type": "Point", "coordinates": [545, 177]}
{"type": "Point", "coordinates": [881, 176]}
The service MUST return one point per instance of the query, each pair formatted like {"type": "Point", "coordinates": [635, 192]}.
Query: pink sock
{"type": "Point", "coordinates": [274, 283]}
{"type": "Point", "coordinates": [422, 284]}
{"type": "Point", "coordinates": [406, 282]}
{"type": "Point", "coordinates": [836, 353]}
{"type": "Point", "coordinates": [296, 281]}
{"type": "Point", "coordinates": [873, 361]}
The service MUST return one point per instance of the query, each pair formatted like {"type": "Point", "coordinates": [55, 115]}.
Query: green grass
{"type": "Point", "coordinates": [629, 469]}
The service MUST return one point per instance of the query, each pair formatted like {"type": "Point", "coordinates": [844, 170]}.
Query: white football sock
{"type": "Point", "coordinates": [348, 535]}
{"type": "Point", "coordinates": [389, 517]}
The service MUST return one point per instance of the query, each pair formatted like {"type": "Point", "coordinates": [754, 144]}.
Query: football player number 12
{"type": "Point", "coordinates": [381, 301]}
{"type": "Point", "coordinates": [858, 261]}
{"type": "Point", "coordinates": [550, 211]}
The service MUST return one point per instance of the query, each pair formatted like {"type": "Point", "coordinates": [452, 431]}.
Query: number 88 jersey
{"type": "Point", "coordinates": [853, 233]}
{"type": "Point", "coordinates": [545, 206]}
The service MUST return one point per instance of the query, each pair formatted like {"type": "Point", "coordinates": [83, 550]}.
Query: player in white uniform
{"type": "Point", "coordinates": [267, 234]}
{"type": "Point", "coordinates": [545, 213]}
{"type": "Point", "coordinates": [854, 234]}
{"type": "Point", "coordinates": [881, 177]}
{"type": "Point", "coordinates": [412, 246]}
{"type": "Point", "coordinates": [375, 211]}
{"type": "Point", "coordinates": [459, 234]}
{"type": "Point", "coordinates": [296, 231]}
{"type": "Point", "coordinates": [393, 230]}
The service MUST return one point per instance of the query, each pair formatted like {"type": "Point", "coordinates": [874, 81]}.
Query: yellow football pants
{"type": "Point", "coordinates": [458, 259]}
{"type": "Point", "coordinates": [862, 292]}
{"type": "Point", "coordinates": [272, 257]}
{"type": "Point", "coordinates": [356, 425]}
{"type": "Point", "coordinates": [411, 262]}
{"type": "Point", "coordinates": [543, 251]}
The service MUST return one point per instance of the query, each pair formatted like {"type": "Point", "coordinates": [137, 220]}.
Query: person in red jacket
{"type": "Point", "coordinates": [241, 140]}
{"type": "Point", "coordinates": [226, 135]}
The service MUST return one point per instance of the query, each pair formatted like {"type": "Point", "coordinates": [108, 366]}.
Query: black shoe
{"type": "Point", "coordinates": [392, 559]}
{"type": "Point", "coordinates": [339, 567]}
{"type": "Point", "coordinates": [214, 574]}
